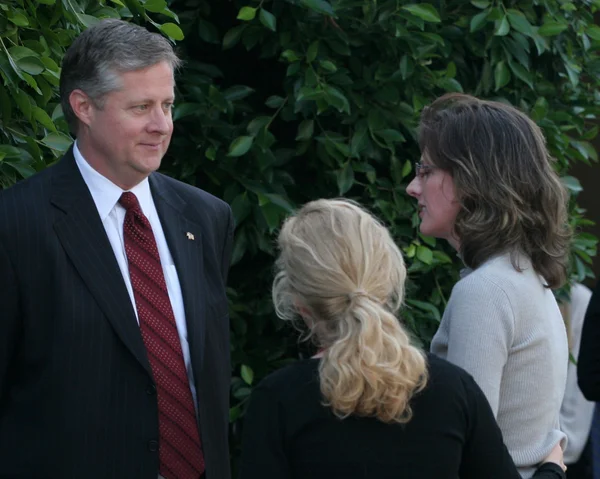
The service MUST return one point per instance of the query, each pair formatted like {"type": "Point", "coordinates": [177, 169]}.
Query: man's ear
{"type": "Point", "coordinates": [82, 106]}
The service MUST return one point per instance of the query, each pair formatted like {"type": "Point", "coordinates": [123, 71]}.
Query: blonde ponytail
{"type": "Point", "coordinates": [341, 269]}
{"type": "Point", "coordinates": [372, 369]}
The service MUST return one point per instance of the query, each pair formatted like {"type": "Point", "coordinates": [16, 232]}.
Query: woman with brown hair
{"type": "Point", "coordinates": [486, 184]}
{"type": "Point", "coordinates": [370, 405]}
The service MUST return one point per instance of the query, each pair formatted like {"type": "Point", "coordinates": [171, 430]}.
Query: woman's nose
{"type": "Point", "coordinates": [414, 187]}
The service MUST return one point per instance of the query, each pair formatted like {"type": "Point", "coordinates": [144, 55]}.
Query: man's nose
{"type": "Point", "coordinates": [161, 121]}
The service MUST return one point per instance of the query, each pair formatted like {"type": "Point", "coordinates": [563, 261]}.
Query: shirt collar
{"type": "Point", "coordinates": [105, 193]}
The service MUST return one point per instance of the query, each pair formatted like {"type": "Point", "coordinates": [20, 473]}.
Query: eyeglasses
{"type": "Point", "coordinates": [424, 170]}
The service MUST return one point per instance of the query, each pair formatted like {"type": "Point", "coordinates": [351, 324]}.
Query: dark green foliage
{"type": "Point", "coordinates": [283, 101]}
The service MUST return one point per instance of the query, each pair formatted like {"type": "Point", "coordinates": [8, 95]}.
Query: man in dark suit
{"type": "Point", "coordinates": [114, 330]}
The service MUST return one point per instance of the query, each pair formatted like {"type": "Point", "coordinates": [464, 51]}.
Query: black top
{"type": "Point", "coordinates": [588, 363]}
{"type": "Point", "coordinates": [290, 434]}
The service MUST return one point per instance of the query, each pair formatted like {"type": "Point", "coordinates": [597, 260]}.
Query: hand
{"type": "Point", "coordinates": [556, 456]}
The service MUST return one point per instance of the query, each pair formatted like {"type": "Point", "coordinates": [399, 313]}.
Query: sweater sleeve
{"type": "Point", "coordinates": [588, 364]}
{"type": "Point", "coordinates": [263, 453]}
{"type": "Point", "coordinates": [480, 331]}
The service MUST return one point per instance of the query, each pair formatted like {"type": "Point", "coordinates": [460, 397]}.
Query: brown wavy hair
{"type": "Point", "coordinates": [511, 198]}
{"type": "Point", "coordinates": [341, 267]}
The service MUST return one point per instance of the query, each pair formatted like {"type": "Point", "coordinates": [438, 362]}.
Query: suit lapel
{"type": "Point", "coordinates": [84, 239]}
{"type": "Point", "coordinates": [184, 237]}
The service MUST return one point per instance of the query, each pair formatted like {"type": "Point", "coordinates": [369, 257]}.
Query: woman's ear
{"type": "Point", "coordinates": [304, 312]}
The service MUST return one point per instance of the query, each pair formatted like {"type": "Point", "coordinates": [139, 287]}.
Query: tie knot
{"type": "Point", "coordinates": [129, 201]}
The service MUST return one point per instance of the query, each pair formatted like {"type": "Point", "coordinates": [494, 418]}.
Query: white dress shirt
{"type": "Point", "coordinates": [106, 197]}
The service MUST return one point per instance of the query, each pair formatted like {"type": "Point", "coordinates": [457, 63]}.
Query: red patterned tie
{"type": "Point", "coordinates": [180, 451]}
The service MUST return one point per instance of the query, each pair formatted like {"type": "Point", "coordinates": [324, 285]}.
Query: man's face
{"type": "Point", "coordinates": [126, 139]}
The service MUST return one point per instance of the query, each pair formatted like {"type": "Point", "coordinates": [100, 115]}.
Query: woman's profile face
{"type": "Point", "coordinates": [438, 204]}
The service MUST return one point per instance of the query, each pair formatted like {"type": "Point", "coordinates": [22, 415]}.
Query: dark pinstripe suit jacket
{"type": "Point", "coordinates": [76, 394]}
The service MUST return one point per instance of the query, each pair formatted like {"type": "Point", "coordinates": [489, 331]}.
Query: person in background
{"type": "Point", "coordinates": [486, 184]}
{"type": "Point", "coordinates": [370, 404]}
{"type": "Point", "coordinates": [576, 412]}
{"type": "Point", "coordinates": [588, 370]}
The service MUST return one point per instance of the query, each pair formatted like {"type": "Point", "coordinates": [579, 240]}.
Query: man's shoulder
{"type": "Point", "coordinates": [25, 188]}
{"type": "Point", "coordinates": [191, 194]}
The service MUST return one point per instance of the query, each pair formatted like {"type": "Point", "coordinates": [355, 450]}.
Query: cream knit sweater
{"type": "Point", "coordinates": [504, 328]}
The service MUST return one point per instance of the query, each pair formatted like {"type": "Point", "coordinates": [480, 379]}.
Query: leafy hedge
{"type": "Point", "coordinates": [283, 101]}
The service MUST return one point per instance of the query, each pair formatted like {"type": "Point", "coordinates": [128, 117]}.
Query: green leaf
{"type": "Point", "coordinates": [57, 141]}
{"type": "Point", "coordinates": [259, 122]}
{"type": "Point", "coordinates": [450, 84]}
{"type": "Point", "coordinates": [280, 201]}
{"type": "Point", "coordinates": [521, 72]}
{"type": "Point", "coordinates": [305, 130]}
{"type": "Point", "coordinates": [337, 99]}
{"type": "Point", "coordinates": [441, 257]}
{"type": "Point", "coordinates": [268, 19]}
{"type": "Point", "coordinates": [247, 374]}
{"type": "Point", "coordinates": [424, 254]}
{"type": "Point", "coordinates": [172, 31]}
{"type": "Point", "coordinates": [519, 22]}
{"type": "Point", "coordinates": [31, 65]}
{"type": "Point", "coordinates": [359, 142]}
{"type": "Point", "coordinates": [540, 109]}
{"type": "Point", "coordinates": [391, 136]}
{"type": "Point", "coordinates": [274, 101]}
{"type": "Point", "coordinates": [345, 178]}
{"type": "Point", "coordinates": [211, 153]}
{"type": "Point", "coordinates": [241, 208]}
{"type": "Point", "coordinates": [207, 31]}
{"type": "Point", "coordinates": [232, 37]}
{"type": "Point", "coordinates": [87, 20]}
{"type": "Point", "coordinates": [320, 6]}
{"type": "Point", "coordinates": [237, 92]}
{"type": "Point", "coordinates": [24, 102]}
{"type": "Point", "coordinates": [328, 66]}
{"type": "Point", "coordinates": [479, 20]}
{"type": "Point", "coordinates": [182, 110]}
{"type": "Point", "coordinates": [12, 152]}
{"type": "Point", "coordinates": [572, 184]}
{"type": "Point", "coordinates": [424, 11]}
{"type": "Point", "coordinates": [42, 117]}
{"type": "Point", "coordinates": [240, 146]}
{"type": "Point", "coordinates": [234, 414]}
{"type": "Point", "coordinates": [407, 168]}
{"type": "Point", "coordinates": [480, 4]}
{"type": "Point", "coordinates": [272, 215]}
{"type": "Point", "coordinates": [18, 52]}
{"type": "Point", "coordinates": [550, 29]}
{"type": "Point", "coordinates": [593, 31]}
{"type": "Point", "coordinates": [155, 6]}
{"type": "Point", "coordinates": [427, 307]}
{"type": "Point", "coordinates": [246, 14]}
{"type": "Point", "coordinates": [406, 67]}
{"type": "Point", "coordinates": [502, 27]}
{"type": "Point", "coordinates": [312, 51]}
{"type": "Point", "coordinates": [501, 75]}
{"type": "Point", "coordinates": [18, 18]}
{"type": "Point", "coordinates": [290, 56]}
{"type": "Point", "coordinates": [22, 168]}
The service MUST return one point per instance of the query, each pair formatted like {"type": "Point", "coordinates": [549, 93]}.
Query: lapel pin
{"type": "Point", "coordinates": [190, 236]}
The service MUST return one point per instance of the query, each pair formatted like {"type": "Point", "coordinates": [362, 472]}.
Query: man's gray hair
{"type": "Point", "coordinates": [97, 58]}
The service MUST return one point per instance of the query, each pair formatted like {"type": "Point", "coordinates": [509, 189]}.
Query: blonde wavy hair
{"type": "Point", "coordinates": [341, 271]}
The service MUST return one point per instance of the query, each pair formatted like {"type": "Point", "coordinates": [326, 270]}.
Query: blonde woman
{"type": "Point", "coordinates": [370, 405]}
{"type": "Point", "coordinates": [486, 184]}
